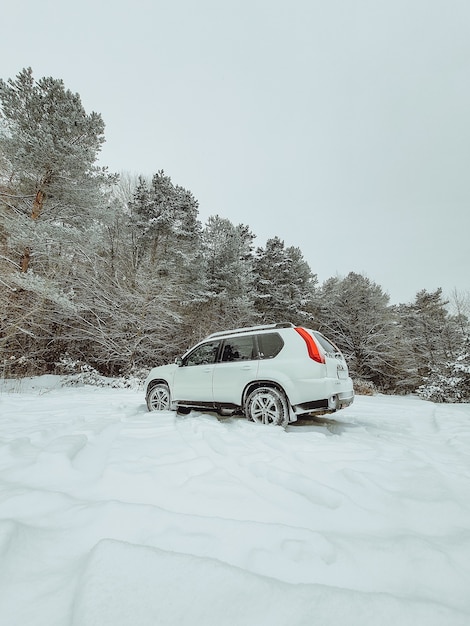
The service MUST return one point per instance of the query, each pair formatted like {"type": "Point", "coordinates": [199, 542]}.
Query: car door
{"type": "Point", "coordinates": [237, 366]}
{"type": "Point", "coordinates": [193, 378]}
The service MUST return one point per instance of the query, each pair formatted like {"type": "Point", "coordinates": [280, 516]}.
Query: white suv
{"type": "Point", "coordinates": [272, 374]}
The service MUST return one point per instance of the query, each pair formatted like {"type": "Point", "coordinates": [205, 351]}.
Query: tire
{"type": "Point", "coordinates": [158, 397]}
{"type": "Point", "coordinates": [267, 405]}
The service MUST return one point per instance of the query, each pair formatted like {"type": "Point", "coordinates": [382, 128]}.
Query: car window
{"type": "Point", "coordinates": [269, 344]}
{"type": "Point", "coordinates": [238, 349]}
{"type": "Point", "coordinates": [203, 355]}
{"type": "Point", "coordinates": [327, 346]}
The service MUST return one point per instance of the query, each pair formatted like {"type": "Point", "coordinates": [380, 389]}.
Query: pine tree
{"type": "Point", "coordinates": [450, 381]}
{"type": "Point", "coordinates": [50, 146]}
{"type": "Point", "coordinates": [284, 284]}
{"type": "Point", "coordinates": [228, 276]}
{"type": "Point", "coordinates": [432, 333]}
{"type": "Point", "coordinates": [51, 194]}
{"type": "Point", "coordinates": [440, 346]}
{"type": "Point", "coordinates": [354, 312]}
{"type": "Point", "coordinates": [155, 276]}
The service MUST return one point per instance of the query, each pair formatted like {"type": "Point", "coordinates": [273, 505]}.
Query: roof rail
{"type": "Point", "coordinates": [248, 329]}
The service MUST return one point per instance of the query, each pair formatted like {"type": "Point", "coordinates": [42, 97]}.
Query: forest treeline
{"type": "Point", "coordinates": [117, 272]}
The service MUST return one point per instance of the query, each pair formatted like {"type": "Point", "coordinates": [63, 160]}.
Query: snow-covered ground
{"type": "Point", "coordinates": [111, 516]}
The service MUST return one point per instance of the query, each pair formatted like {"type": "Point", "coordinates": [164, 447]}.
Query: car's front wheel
{"type": "Point", "coordinates": [158, 397]}
{"type": "Point", "coordinates": [267, 405]}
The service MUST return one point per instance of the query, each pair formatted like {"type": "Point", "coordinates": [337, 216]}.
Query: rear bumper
{"type": "Point", "coordinates": [345, 399]}
{"type": "Point", "coordinates": [333, 403]}
{"type": "Point", "coordinates": [321, 394]}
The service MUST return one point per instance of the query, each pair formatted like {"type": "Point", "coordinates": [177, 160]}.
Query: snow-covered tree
{"type": "Point", "coordinates": [460, 309]}
{"type": "Point", "coordinates": [227, 252]}
{"type": "Point", "coordinates": [284, 284]}
{"type": "Point", "coordinates": [439, 344]}
{"type": "Point", "coordinates": [354, 312]}
{"type": "Point", "coordinates": [449, 382]}
{"type": "Point", "coordinates": [432, 334]}
{"type": "Point", "coordinates": [165, 224]}
{"type": "Point", "coordinates": [49, 146]}
{"type": "Point", "coordinates": [51, 193]}
{"type": "Point", "coordinates": [156, 273]}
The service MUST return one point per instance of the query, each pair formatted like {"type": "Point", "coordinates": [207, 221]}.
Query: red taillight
{"type": "Point", "coordinates": [313, 351]}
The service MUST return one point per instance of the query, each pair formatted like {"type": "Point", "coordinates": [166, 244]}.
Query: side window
{"type": "Point", "coordinates": [203, 355]}
{"type": "Point", "coordinates": [238, 349]}
{"type": "Point", "coordinates": [270, 344]}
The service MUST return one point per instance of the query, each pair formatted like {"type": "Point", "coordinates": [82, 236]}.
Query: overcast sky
{"type": "Point", "coordinates": [341, 126]}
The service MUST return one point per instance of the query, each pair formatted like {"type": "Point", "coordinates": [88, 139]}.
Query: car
{"type": "Point", "coordinates": [272, 374]}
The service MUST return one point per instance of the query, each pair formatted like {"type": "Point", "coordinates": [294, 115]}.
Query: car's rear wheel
{"type": "Point", "coordinates": [158, 397]}
{"type": "Point", "coordinates": [267, 405]}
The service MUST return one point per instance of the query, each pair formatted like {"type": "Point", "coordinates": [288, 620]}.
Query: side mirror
{"type": "Point", "coordinates": [179, 361]}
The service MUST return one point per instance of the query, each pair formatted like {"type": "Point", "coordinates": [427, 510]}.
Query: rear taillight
{"type": "Point", "coordinates": [312, 348]}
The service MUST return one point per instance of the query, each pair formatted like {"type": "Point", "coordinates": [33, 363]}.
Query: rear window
{"type": "Point", "coordinates": [327, 346]}
{"type": "Point", "coordinates": [269, 345]}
